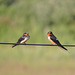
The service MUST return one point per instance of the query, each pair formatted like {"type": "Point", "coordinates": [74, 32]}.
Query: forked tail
{"type": "Point", "coordinates": [63, 48]}
{"type": "Point", "coordinates": [14, 45]}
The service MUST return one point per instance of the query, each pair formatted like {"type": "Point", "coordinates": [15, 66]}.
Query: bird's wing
{"type": "Point", "coordinates": [20, 39]}
{"type": "Point", "coordinates": [58, 43]}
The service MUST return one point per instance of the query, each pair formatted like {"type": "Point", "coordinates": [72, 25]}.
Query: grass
{"type": "Point", "coordinates": [36, 60]}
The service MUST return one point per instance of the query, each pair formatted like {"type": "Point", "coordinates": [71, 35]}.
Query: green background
{"type": "Point", "coordinates": [37, 17]}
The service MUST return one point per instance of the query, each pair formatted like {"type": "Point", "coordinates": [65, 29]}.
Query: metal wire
{"type": "Point", "coordinates": [32, 44]}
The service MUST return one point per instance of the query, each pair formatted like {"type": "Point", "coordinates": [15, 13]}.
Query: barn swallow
{"type": "Point", "coordinates": [22, 39]}
{"type": "Point", "coordinates": [54, 40]}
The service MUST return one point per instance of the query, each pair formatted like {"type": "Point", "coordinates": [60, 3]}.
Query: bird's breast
{"type": "Point", "coordinates": [51, 40]}
{"type": "Point", "coordinates": [26, 38]}
{"type": "Point", "coordinates": [48, 37]}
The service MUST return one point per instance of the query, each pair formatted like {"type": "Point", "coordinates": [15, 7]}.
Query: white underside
{"type": "Point", "coordinates": [24, 40]}
{"type": "Point", "coordinates": [48, 37]}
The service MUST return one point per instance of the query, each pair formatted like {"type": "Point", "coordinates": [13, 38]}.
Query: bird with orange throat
{"type": "Point", "coordinates": [22, 39]}
{"type": "Point", "coordinates": [54, 40]}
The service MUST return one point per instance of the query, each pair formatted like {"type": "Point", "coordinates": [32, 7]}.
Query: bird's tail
{"type": "Point", "coordinates": [64, 48]}
{"type": "Point", "coordinates": [14, 45]}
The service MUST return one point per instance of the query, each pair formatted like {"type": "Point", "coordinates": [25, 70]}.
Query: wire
{"type": "Point", "coordinates": [32, 44]}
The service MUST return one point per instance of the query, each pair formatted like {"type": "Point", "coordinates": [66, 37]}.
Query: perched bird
{"type": "Point", "coordinates": [54, 40]}
{"type": "Point", "coordinates": [22, 39]}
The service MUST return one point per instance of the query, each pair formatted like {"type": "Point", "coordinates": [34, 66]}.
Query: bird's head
{"type": "Point", "coordinates": [26, 34]}
{"type": "Point", "coordinates": [49, 33]}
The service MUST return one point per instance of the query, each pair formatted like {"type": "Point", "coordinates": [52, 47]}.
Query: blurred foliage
{"type": "Point", "coordinates": [37, 18]}
{"type": "Point", "coordinates": [7, 2]}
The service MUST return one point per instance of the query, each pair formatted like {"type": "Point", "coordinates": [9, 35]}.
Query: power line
{"type": "Point", "coordinates": [32, 44]}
